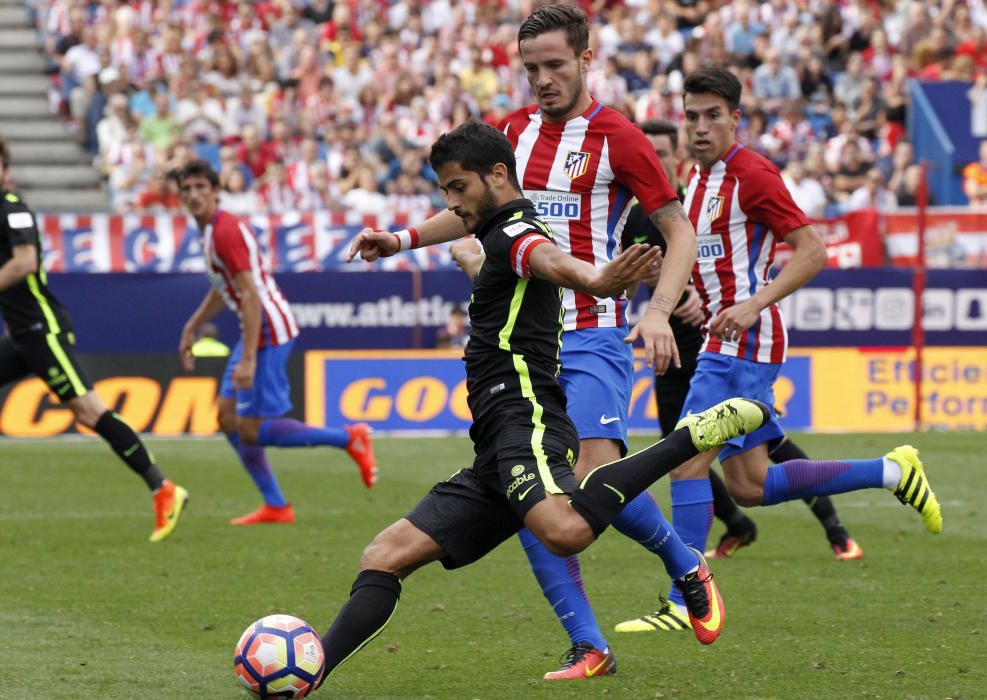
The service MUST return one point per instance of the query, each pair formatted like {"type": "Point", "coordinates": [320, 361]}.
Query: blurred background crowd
{"type": "Point", "coordinates": [315, 104]}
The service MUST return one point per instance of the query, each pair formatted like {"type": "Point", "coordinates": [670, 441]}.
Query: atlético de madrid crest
{"type": "Point", "coordinates": [576, 163]}
{"type": "Point", "coordinates": [714, 207]}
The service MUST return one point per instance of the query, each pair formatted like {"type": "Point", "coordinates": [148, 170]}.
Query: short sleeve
{"type": "Point", "coordinates": [18, 221]}
{"type": "Point", "coordinates": [232, 245]}
{"type": "Point", "coordinates": [765, 199]}
{"type": "Point", "coordinates": [636, 167]}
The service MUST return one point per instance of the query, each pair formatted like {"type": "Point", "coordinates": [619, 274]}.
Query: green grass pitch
{"type": "Point", "coordinates": [90, 609]}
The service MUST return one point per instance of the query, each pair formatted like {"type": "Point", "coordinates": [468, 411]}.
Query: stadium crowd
{"type": "Point", "coordinates": [320, 104]}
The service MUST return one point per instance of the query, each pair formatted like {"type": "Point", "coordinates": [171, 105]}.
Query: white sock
{"type": "Point", "coordinates": [892, 474]}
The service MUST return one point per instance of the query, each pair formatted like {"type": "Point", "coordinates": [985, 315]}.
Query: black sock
{"type": "Point", "coordinates": [124, 441]}
{"type": "Point", "coordinates": [607, 489]}
{"type": "Point", "coordinates": [821, 506]}
{"type": "Point", "coordinates": [724, 507]}
{"type": "Point", "coordinates": [373, 598]}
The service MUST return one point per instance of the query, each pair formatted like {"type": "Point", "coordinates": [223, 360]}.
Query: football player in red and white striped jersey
{"type": "Point", "coordinates": [740, 208]}
{"type": "Point", "coordinates": [255, 392]}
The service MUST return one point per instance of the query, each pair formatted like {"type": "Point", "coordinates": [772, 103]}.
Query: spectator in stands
{"type": "Point", "coordinates": [893, 167]}
{"type": "Point", "coordinates": [58, 44]}
{"type": "Point", "coordinates": [200, 115]}
{"type": "Point", "coordinates": [851, 174]}
{"type": "Point", "coordinates": [791, 133]}
{"type": "Point", "coordinates": [977, 95]}
{"type": "Point", "coordinates": [836, 147]}
{"type": "Point", "coordinates": [243, 111]}
{"type": "Point", "coordinates": [318, 193]}
{"type": "Point", "coordinates": [975, 47]}
{"type": "Point", "coordinates": [282, 141]}
{"type": "Point", "coordinates": [866, 109]}
{"type": "Point", "coordinates": [352, 75]}
{"type": "Point", "coordinates": [666, 43]}
{"type": "Point", "coordinates": [421, 177]}
{"type": "Point", "coordinates": [176, 157]}
{"type": "Point", "coordinates": [158, 196]}
{"type": "Point", "coordinates": [254, 152]}
{"type": "Point", "coordinates": [849, 83]}
{"type": "Point", "coordinates": [478, 78]}
{"type": "Point", "coordinates": [404, 194]}
{"type": "Point", "coordinates": [872, 194]}
{"type": "Point", "coordinates": [879, 56]}
{"type": "Point", "coordinates": [688, 13]}
{"type": "Point", "coordinates": [606, 84]}
{"type": "Point", "coordinates": [775, 84]}
{"type": "Point", "coordinates": [79, 68]}
{"type": "Point", "coordinates": [917, 27]}
{"type": "Point", "coordinates": [907, 190]}
{"type": "Point", "coordinates": [224, 76]}
{"type": "Point", "coordinates": [162, 128]}
{"type": "Point", "coordinates": [318, 11]}
{"type": "Point", "coordinates": [959, 24]}
{"type": "Point", "coordinates": [975, 179]}
{"type": "Point", "coordinates": [743, 31]}
{"type": "Point", "coordinates": [130, 171]}
{"type": "Point", "coordinates": [112, 128]}
{"type": "Point", "coordinates": [786, 39]}
{"type": "Point", "coordinates": [299, 169]}
{"type": "Point", "coordinates": [275, 195]}
{"type": "Point", "coordinates": [236, 197]}
{"type": "Point", "coordinates": [228, 160]}
{"type": "Point", "coordinates": [360, 192]}
{"type": "Point", "coordinates": [807, 192]}
{"type": "Point", "coordinates": [456, 332]}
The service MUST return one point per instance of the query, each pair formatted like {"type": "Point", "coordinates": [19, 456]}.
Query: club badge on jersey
{"type": "Point", "coordinates": [576, 164]}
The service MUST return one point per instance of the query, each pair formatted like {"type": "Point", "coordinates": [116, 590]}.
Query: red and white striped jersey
{"type": "Point", "coordinates": [582, 177]}
{"type": "Point", "coordinates": [740, 208]}
{"type": "Point", "coordinates": [229, 247]}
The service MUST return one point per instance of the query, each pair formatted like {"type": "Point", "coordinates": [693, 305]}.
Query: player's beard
{"type": "Point", "coordinates": [558, 112]}
{"type": "Point", "coordinates": [484, 209]}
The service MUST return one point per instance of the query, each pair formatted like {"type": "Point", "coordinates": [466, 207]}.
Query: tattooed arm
{"type": "Point", "coordinates": [653, 328]}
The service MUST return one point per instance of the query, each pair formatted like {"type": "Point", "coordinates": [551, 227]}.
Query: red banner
{"type": "Point", "coordinates": [852, 240]}
{"type": "Point", "coordinates": [956, 237]}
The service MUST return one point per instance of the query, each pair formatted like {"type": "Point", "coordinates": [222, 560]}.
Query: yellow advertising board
{"type": "Point", "coordinates": [872, 390]}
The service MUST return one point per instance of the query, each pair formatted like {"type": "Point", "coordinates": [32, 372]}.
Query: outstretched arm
{"type": "Point", "coordinates": [550, 263]}
{"type": "Point", "coordinates": [371, 243]}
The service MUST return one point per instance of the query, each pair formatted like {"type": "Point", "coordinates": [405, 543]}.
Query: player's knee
{"type": "Point", "coordinates": [746, 493]}
{"type": "Point", "coordinates": [88, 409]}
{"type": "Point", "coordinates": [227, 421]}
{"type": "Point", "coordinates": [381, 555]}
{"type": "Point", "coordinates": [249, 432]}
{"type": "Point", "coordinates": [567, 536]}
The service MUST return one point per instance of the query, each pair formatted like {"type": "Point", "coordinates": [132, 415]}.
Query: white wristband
{"type": "Point", "coordinates": [407, 239]}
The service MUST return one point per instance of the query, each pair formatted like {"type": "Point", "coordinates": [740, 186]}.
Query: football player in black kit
{"type": "Point", "coordinates": [524, 442]}
{"type": "Point", "coordinates": [39, 340]}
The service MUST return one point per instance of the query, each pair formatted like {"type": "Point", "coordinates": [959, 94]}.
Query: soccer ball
{"type": "Point", "coordinates": [279, 656]}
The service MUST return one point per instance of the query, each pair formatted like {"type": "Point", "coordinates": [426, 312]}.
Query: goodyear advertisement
{"type": "Point", "coordinates": [823, 389]}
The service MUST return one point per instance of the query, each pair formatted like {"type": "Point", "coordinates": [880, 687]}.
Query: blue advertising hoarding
{"type": "Point", "coordinates": [144, 312]}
